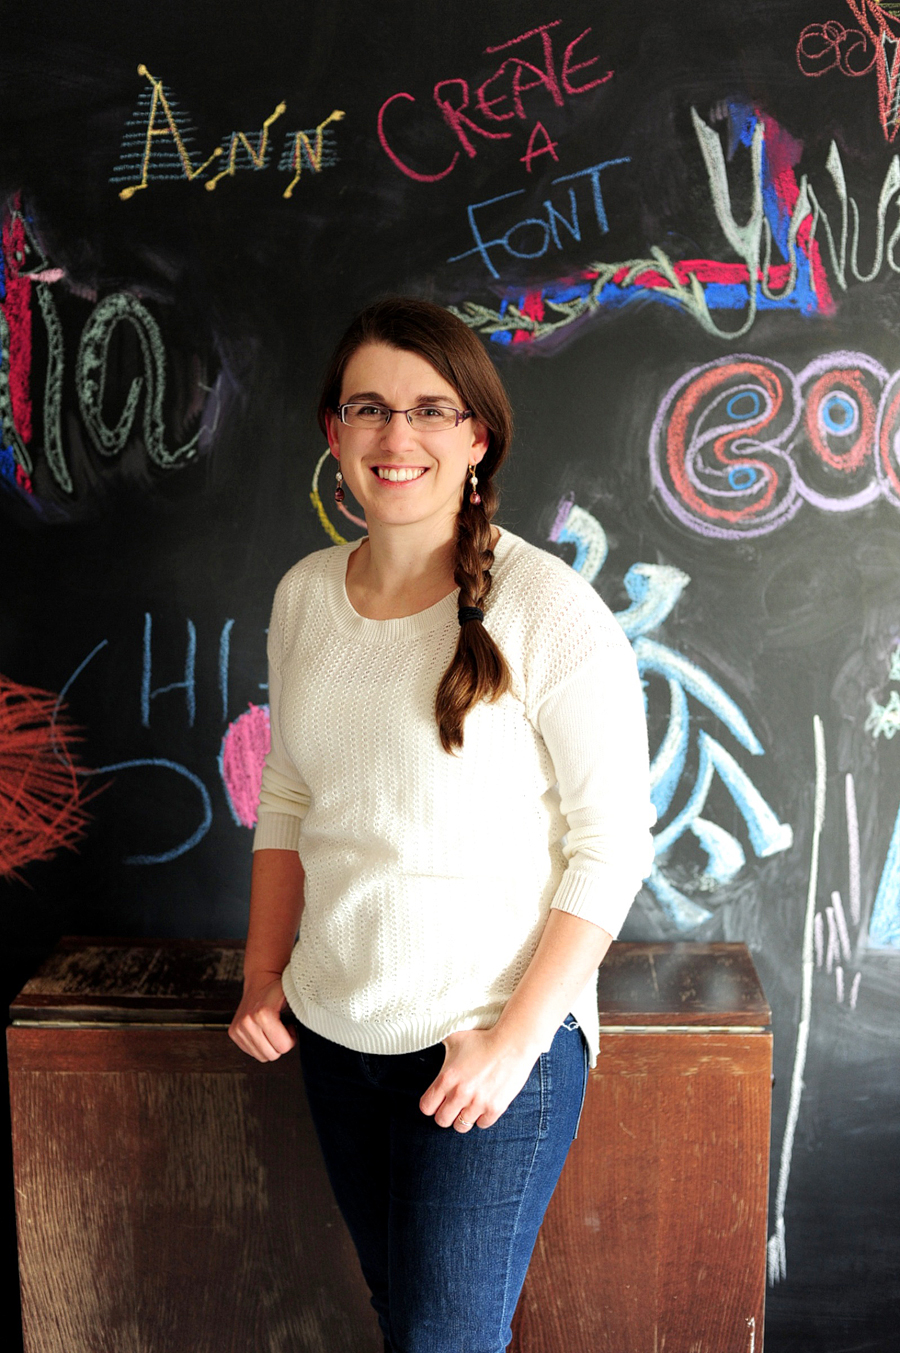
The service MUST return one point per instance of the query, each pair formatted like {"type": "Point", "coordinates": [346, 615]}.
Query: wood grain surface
{"type": "Point", "coordinates": [655, 1238]}
{"type": "Point", "coordinates": [171, 1196]}
{"type": "Point", "coordinates": [167, 1211]}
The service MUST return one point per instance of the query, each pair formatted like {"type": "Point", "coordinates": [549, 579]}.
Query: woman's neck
{"type": "Point", "coordinates": [398, 573]}
{"type": "Point", "coordinates": [395, 573]}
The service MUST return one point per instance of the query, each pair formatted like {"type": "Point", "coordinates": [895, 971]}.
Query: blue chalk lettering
{"type": "Point", "coordinates": [188, 844]}
{"type": "Point", "coordinates": [197, 835]}
{"type": "Point", "coordinates": [188, 685]}
{"type": "Point", "coordinates": [594, 173]}
{"type": "Point", "coordinates": [481, 245]}
{"type": "Point", "coordinates": [523, 225]}
{"type": "Point", "coordinates": [224, 654]}
{"type": "Point", "coordinates": [571, 225]}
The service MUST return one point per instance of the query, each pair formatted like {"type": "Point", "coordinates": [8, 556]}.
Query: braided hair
{"type": "Point", "coordinates": [477, 670]}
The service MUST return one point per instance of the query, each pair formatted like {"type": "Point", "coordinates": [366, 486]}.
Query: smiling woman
{"type": "Point", "coordinates": [397, 423]}
{"type": "Point", "coordinates": [455, 811]}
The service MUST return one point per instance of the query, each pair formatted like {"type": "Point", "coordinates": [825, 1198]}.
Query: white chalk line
{"type": "Point", "coordinates": [852, 848]}
{"type": "Point", "coordinates": [775, 1250]}
{"type": "Point", "coordinates": [841, 923]}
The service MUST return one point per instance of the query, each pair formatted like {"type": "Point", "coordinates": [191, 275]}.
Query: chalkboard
{"type": "Point", "coordinates": [677, 230]}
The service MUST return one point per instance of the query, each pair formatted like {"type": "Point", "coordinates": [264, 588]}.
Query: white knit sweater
{"type": "Point", "coordinates": [429, 876]}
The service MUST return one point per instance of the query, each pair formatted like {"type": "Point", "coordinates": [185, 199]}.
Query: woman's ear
{"type": "Point", "coordinates": [481, 440]}
{"type": "Point", "coordinates": [332, 423]}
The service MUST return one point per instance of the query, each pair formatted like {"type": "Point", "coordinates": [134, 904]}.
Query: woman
{"type": "Point", "coordinates": [459, 761]}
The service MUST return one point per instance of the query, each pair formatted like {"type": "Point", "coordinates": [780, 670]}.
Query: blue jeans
{"type": "Point", "coordinates": [444, 1222]}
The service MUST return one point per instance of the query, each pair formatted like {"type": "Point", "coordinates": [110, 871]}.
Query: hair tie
{"type": "Point", "coordinates": [470, 613]}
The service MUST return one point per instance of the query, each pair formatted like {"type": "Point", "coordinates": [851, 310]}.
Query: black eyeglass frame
{"type": "Point", "coordinates": [460, 414]}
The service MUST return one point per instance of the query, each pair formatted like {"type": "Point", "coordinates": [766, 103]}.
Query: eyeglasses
{"type": "Point", "coordinates": [424, 418]}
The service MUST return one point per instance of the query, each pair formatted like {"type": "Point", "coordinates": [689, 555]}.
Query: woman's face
{"type": "Point", "coordinates": [433, 463]}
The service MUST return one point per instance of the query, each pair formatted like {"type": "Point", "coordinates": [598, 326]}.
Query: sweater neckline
{"type": "Point", "coordinates": [349, 622]}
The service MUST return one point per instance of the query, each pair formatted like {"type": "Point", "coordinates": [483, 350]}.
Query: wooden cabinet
{"type": "Point", "coordinates": [655, 1240]}
{"type": "Point", "coordinates": [170, 1196]}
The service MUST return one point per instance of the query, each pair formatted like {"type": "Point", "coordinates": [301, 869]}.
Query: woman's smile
{"type": "Point", "coordinates": [399, 474]}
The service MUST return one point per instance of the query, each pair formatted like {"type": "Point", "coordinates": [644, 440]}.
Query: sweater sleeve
{"type": "Point", "coordinates": [594, 727]}
{"type": "Point", "coordinates": [283, 798]}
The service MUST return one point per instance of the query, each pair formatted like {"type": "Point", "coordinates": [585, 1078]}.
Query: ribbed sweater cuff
{"type": "Point", "coordinates": [277, 831]}
{"type": "Point", "coordinates": [605, 901]}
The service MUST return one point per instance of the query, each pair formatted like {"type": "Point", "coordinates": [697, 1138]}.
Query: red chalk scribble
{"type": "Point", "coordinates": [17, 308]}
{"type": "Point", "coordinates": [245, 747]}
{"type": "Point", "coordinates": [41, 799]}
{"type": "Point", "coordinates": [855, 51]}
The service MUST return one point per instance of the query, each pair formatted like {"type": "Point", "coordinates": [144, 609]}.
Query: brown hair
{"type": "Point", "coordinates": [478, 670]}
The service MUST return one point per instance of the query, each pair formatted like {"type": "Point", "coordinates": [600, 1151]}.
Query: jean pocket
{"type": "Point", "coordinates": [526, 1116]}
{"type": "Point", "coordinates": [574, 1027]}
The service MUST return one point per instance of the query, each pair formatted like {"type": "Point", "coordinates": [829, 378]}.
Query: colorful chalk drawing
{"type": "Point", "coordinates": [159, 140]}
{"type": "Point", "coordinates": [313, 149]}
{"type": "Point", "coordinates": [240, 153]}
{"type": "Point", "coordinates": [240, 758]}
{"type": "Point", "coordinates": [786, 211]}
{"type": "Point", "coordinates": [91, 368]}
{"type": "Point", "coordinates": [739, 444]}
{"type": "Point", "coordinates": [498, 100]}
{"type": "Point", "coordinates": [654, 590]}
{"type": "Point", "coordinates": [245, 747]}
{"type": "Point", "coordinates": [161, 135]}
{"type": "Point", "coordinates": [25, 276]}
{"type": "Point", "coordinates": [42, 804]}
{"type": "Point", "coordinates": [154, 763]}
{"type": "Point", "coordinates": [833, 954]}
{"type": "Point", "coordinates": [873, 46]}
{"type": "Point", "coordinates": [837, 934]}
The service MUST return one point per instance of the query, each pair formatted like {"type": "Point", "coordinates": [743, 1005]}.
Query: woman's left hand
{"type": "Point", "coordinates": [481, 1076]}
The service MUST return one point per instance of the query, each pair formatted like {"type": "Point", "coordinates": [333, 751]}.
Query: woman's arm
{"type": "Point", "coordinates": [276, 902]}
{"type": "Point", "coordinates": [485, 1069]}
{"type": "Point", "coordinates": [594, 728]}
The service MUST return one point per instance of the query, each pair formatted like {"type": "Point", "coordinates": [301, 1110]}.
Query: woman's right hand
{"type": "Point", "coordinates": [257, 1027]}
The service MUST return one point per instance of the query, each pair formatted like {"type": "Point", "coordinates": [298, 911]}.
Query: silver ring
{"type": "Point", "coordinates": [460, 1119]}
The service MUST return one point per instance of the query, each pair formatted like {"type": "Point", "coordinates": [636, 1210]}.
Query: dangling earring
{"type": "Point", "coordinates": [474, 495]}
{"type": "Point", "coordinates": [339, 489]}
